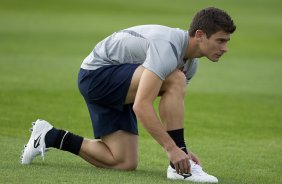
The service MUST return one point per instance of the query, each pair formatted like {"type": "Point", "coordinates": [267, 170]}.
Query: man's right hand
{"type": "Point", "coordinates": [180, 160]}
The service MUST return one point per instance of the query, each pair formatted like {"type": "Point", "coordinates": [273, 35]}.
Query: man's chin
{"type": "Point", "coordinates": [214, 59]}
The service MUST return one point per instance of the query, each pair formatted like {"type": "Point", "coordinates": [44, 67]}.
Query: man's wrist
{"type": "Point", "coordinates": [169, 146]}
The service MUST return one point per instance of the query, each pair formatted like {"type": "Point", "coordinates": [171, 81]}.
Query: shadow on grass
{"type": "Point", "coordinates": [73, 171]}
{"type": "Point", "coordinates": [90, 173]}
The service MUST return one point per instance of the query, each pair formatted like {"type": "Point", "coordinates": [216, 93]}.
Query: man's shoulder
{"type": "Point", "coordinates": [153, 29]}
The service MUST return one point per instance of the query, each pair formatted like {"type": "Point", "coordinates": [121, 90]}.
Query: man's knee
{"type": "Point", "coordinates": [123, 146]}
{"type": "Point", "coordinates": [126, 164]}
{"type": "Point", "coordinates": [130, 166]}
{"type": "Point", "coordinates": [175, 83]}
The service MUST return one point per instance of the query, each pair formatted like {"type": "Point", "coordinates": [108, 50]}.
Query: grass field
{"type": "Point", "coordinates": [233, 108]}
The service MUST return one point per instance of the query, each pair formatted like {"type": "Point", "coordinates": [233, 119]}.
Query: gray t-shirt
{"type": "Point", "coordinates": [158, 48]}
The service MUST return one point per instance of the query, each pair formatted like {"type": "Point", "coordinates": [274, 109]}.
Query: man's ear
{"type": "Point", "coordinates": [199, 35]}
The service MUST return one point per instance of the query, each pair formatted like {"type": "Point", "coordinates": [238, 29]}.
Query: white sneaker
{"type": "Point", "coordinates": [197, 174]}
{"type": "Point", "coordinates": [36, 144]}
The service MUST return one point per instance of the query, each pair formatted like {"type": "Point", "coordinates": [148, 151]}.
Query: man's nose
{"type": "Point", "coordinates": [224, 48]}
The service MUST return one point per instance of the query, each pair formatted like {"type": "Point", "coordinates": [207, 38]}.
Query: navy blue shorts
{"type": "Point", "coordinates": [104, 91]}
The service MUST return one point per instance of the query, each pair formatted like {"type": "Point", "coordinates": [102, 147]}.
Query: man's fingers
{"type": "Point", "coordinates": [176, 167]}
{"type": "Point", "coordinates": [194, 158]}
{"type": "Point", "coordinates": [180, 160]}
{"type": "Point", "coordinates": [188, 165]}
{"type": "Point", "coordinates": [182, 166]}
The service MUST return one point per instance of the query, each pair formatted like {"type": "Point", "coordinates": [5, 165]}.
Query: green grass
{"type": "Point", "coordinates": [233, 108]}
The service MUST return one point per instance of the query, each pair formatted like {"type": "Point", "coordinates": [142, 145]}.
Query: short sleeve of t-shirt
{"type": "Point", "coordinates": [161, 58]}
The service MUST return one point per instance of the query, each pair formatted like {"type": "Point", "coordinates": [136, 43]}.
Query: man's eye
{"type": "Point", "coordinates": [221, 41]}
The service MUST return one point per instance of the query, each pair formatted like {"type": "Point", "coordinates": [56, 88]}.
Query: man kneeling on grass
{"type": "Point", "coordinates": [122, 77]}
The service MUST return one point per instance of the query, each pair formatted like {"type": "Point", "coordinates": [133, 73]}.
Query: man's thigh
{"type": "Point", "coordinates": [123, 146]}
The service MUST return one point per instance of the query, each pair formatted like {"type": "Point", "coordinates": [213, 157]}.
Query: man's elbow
{"type": "Point", "coordinates": [137, 108]}
{"type": "Point", "coordinates": [141, 108]}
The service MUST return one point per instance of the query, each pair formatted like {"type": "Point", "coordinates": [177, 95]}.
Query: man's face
{"type": "Point", "coordinates": [214, 46]}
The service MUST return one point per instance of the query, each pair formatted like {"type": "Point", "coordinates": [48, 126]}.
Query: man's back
{"type": "Point", "coordinates": [159, 48]}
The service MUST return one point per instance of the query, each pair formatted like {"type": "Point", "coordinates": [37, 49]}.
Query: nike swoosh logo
{"type": "Point", "coordinates": [186, 175]}
{"type": "Point", "coordinates": [36, 141]}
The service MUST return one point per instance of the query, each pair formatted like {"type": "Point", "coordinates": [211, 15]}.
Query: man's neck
{"type": "Point", "coordinates": [192, 49]}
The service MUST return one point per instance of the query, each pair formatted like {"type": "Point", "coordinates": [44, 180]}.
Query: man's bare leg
{"type": "Point", "coordinates": [171, 107]}
{"type": "Point", "coordinates": [117, 150]}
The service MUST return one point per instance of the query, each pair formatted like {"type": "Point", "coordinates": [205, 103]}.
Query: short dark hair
{"type": "Point", "coordinates": [211, 20]}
